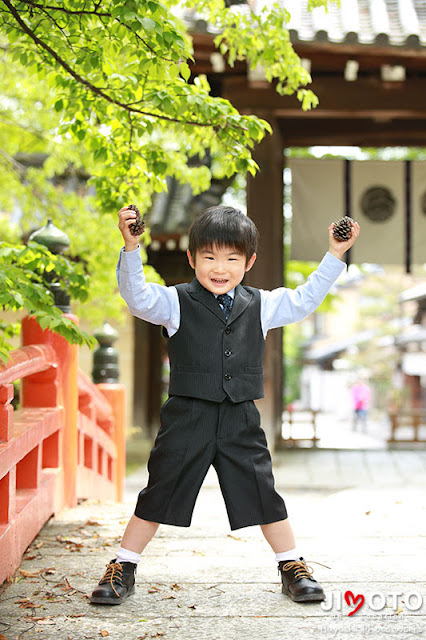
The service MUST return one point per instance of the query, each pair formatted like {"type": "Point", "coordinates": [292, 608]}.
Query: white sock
{"type": "Point", "coordinates": [124, 555]}
{"type": "Point", "coordinates": [292, 554]}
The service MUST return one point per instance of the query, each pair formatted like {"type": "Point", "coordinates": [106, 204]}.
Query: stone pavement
{"type": "Point", "coordinates": [361, 513]}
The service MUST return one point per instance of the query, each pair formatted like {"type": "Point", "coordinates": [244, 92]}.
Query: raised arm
{"type": "Point", "coordinates": [152, 302]}
{"type": "Point", "coordinates": [283, 306]}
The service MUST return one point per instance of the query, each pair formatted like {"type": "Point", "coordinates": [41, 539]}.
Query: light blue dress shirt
{"type": "Point", "coordinates": [158, 304]}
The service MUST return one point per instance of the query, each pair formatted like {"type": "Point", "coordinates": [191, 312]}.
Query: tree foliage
{"type": "Point", "coordinates": [108, 87]}
{"type": "Point", "coordinates": [23, 271]}
{"type": "Point", "coordinates": [118, 74]}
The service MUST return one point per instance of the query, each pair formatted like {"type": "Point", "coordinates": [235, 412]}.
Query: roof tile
{"type": "Point", "coordinates": [395, 23]}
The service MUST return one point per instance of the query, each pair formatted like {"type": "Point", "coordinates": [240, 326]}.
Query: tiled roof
{"type": "Point", "coordinates": [395, 23]}
{"type": "Point", "coordinates": [418, 292]}
{"type": "Point", "coordinates": [316, 353]}
{"type": "Point", "coordinates": [388, 23]}
{"type": "Point", "coordinates": [415, 333]}
{"type": "Point", "coordinates": [174, 210]}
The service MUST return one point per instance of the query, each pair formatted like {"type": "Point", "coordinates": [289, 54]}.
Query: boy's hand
{"type": "Point", "coordinates": [126, 217]}
{"type": "Point", "coordinates": [337, 248]}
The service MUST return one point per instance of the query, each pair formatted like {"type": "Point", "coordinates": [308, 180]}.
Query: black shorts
{"type": "Point", "coordinates": [195, 434]}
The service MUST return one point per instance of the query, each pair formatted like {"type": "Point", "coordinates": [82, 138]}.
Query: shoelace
{"type": "Point", "coordinates": [301, 569]}
{"type": "Point", "coordinates": [114, 572]}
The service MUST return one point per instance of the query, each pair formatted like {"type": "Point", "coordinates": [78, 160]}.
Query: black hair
{"type": "Point", "coordinates": [224, 227]}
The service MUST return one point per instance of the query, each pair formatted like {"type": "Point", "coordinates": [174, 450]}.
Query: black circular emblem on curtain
{"type": "Point", "coordinates": [378, 204]}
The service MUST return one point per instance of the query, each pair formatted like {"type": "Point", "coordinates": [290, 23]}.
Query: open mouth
{"type": "Point", "coordinates": [219, 282]}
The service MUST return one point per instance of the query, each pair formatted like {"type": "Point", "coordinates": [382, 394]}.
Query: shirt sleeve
{"type": "Point", "coordinates": [150, 301]}
{"type": "Point", "coordinates": [283, 306]}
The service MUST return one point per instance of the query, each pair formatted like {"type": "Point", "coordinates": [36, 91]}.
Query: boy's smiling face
{"type": "Point", "coordinates": [220, 269]}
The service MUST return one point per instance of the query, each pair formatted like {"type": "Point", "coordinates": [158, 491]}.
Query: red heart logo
{"type": "Point", "coordinates": [350, 596]}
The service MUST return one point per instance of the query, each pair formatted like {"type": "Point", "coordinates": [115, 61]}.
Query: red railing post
{"type": "Point", "coordinates": [50, 388]}
{"type": "Point", "coordinates": [116, 395]}
{"type": "Point", "coordinates": [6, 412]}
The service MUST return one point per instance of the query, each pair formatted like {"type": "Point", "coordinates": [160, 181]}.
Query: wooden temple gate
{"type": "Point", "coordinates": [370, 81]}
{"type": "Point", "coordinates": [371, 85]}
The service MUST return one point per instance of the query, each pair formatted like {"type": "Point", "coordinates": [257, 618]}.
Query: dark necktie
{"type": "Point", "coordinates": [226, 302]}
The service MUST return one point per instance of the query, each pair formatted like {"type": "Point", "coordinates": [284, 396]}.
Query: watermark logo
{"type": "Point", "coordinates": [351, 599]}
{"type": "Point", "coordinates": [376, 601]}
{"type": "Point", "coordinates": [365, 629]}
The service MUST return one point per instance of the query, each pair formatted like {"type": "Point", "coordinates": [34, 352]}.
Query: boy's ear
{"type": "Point", "coordinates": [190, 260]}
{"type": "Point", "coordinates": [251, 262]}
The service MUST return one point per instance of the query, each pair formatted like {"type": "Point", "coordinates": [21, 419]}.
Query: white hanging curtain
{"type": "Point", "coordinates": [317, 200]}
{"type": "Point", "coordinates": [377, 201]}
{"type": "Point", "coordinates": [379, 185]}
{"type": "Point", "coordinates": [418, 231]}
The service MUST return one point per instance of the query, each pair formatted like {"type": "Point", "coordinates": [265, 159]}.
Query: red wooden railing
{"type": "Point", "coordinates": [66, 441]}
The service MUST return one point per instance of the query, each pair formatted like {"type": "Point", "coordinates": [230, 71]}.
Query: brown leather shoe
{"type": "Point", "coordinates": [298, 583]}
{"type": "Point", "coordinates": [116, 585]}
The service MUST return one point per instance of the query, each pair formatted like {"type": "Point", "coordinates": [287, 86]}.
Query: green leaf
{"type": "Point", "coordinates": [185, 71]}
{"type": "Point", "coordinates": [43, 322]}
{"type": "Point", "coordinates": [148, 24]}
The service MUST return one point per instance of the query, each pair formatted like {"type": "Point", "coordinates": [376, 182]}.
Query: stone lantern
{"type": "Point", "coordinates": [105, 357]}
{"type": "Point", "coordinates": [57, 242]}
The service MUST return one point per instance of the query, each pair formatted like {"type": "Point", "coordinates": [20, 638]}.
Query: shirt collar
{"type": "Point", "coordinates": [230, 293]}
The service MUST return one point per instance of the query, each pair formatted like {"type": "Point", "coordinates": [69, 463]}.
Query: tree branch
{"type": "Point", "coordinates": [131, 130]}
{"type": "Point", "coordinates": [14, 163]}
{"type": "Point", "coordinates": [70, 12]}
{"type": "Point", "coordinates": [12, 123]}
{"type": "Point", "coordinates": [26, 29]}
{"type": "Point", "coordinates": [100, 14]}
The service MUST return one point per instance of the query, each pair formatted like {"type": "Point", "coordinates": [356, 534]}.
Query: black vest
{"type": "Point", "coordinates": [211, 358]}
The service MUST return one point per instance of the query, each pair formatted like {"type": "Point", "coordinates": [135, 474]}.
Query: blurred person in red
{"type": "Point", "coordinates": [360, 394]}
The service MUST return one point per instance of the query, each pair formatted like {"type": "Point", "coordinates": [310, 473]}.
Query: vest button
{"type": "Point", "coordinates": [228, 376]}
{"type": "Point", "coordinates": [228, 353]}
{"type": "Point", "coordinates": [228, 330]}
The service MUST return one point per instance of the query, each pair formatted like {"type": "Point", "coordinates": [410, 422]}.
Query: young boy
{"type": "Point", "coordinates": [216, 332]}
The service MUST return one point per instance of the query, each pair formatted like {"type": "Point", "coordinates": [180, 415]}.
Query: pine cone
{"type": "Point", "coordinates": [342, 229]}
{"type": "Point", "coordinates": [137, 227]}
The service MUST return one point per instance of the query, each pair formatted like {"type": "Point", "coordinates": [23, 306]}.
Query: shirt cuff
{"type": "Point", "coordinates": [334, 263]}
{"type": "Point", "coordinates": [130, 260]}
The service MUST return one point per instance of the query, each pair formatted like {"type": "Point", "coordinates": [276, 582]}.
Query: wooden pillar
{"type": "Point", "coordinates": [115, 393]}
{"type": "Point", "coordinates": [149, 349]}
{"type": "Point", "coordinates": [265, 208]}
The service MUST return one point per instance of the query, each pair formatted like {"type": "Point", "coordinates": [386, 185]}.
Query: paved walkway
{"type": "Point", "coordinates": [361, 513]}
